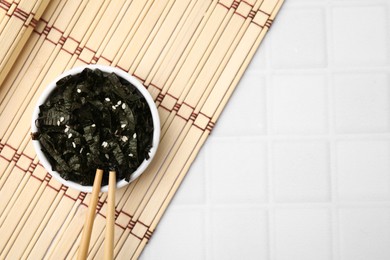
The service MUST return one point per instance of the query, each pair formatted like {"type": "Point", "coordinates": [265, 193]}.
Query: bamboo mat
{"type": "Point", "coordinates": [17, 21]}
{"type": "Point", "coordinates": [189, 54]}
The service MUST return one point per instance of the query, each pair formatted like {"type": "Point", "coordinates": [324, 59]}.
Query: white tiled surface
{"type": "Point", "coordinates": [298, 166]}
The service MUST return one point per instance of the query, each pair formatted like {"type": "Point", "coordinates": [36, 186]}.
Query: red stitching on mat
{"type": "Point", "coordinates": [104, 58]}
{"type": "Point", "coordinates": [160, 97]}
{"type": "Point", "coordinates": [223, 5]}
{"type": "Point", "coordinates": [15, 150]}
{"type": "Point", "coordinates": [78, 50]}
{"type": "Point", "coordinates": [82, 60]}
{"type": "Point", "coordinates": [235, 4]}
{"type": "Point", "coordinates": [198, 127]}
{"type": "Point", "coordinates": [148, 234]}
{"type": "Point", "coordinates": [193, 116]}
{"type": "Point", "coordinates": [82, 196]}
{"type": "Point", "coordinates": [55, 28]}
{"type": "Point", "coordinates": [101, 214]}
{"type": "Point", "coordinates": [182, 117]}
{"type": "Point", "coordinates": [269, 23]}
{"type": "Point", "coordinates": [45, 31]}
{"type": "Point", "coordinates": [1, 156]}
{"type": "Point", "coordinates": [123, 227]}
{"type": "Point", "coordinates": [62, 40]}
{"type": "Point", "coordinates": [20, 168]}
{"type": "Point", "coordinates": [65, 50]}
{"type": "Point", "coordinates": [57, 190]}
{"type": "Point", "coordinates": [32, 175]}
{"type": "Point", "coordinates": [169, 110]}
{"type": "Point", "coordinates": [169, 94]}
{"type": "Point", "coordinates": [176, 107]}
{"type": "Point", "coordinates": [32, 167]}
{"type": "Point", "coordinates": [16, 157]}
{"type": "Point", "coordinates": [122, 68]}
{"type": "Point", "coordinates": [99, 205]}
{"type": "Point", "coordinates": [247, 3]}
{"type": "Point", "coordinates": [193, 108]}
{"type": "Point", "coordinates": [32, 159]}
{"type": "Point", "coordinates": [257, 24]}
{"type": "Point", "coordinates": [34, 22]}
{"type": "Point", "coordinates": [143, 224]}
{"type": "Point", "coordinates": [240, 15]}
{"type": "Point", "coordinates": [140, 238]}
{"type": "Point", "coordinates": [136, 76]}
{"type": "Point", "coordinates": [47, 177]}
{"type": "Point", "coordinates": [86, 47]}
{"type": "Point", "coordinates": [151, 84]}
{"type": "Point", "coordinates": [66, 195]}
{"type": "Point", "coordinates": [8, 5]}
{"type": "Point", "coordinates": [22, 13]}
{"type": "Point", "coordinates": [127, 214]}
{"type": "Point", "coordinates": [252, 14]}
{"type": "Point", "coordinates": [204, 115]}
{"type": "Point", "coordinates": [43, 20]}
{"type": "Point", "coordinates": [261, 11]}
{"type": "Point", "coordinates": [131, 224]}
{"type": "Point", "coordinates": [19, 13]}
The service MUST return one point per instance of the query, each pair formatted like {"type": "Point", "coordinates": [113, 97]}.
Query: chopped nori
{"type": "Point", "coordinates": [95, 120]}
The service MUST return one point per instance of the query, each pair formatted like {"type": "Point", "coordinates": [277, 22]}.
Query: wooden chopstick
{"type": "Point", "coordinates": [110, 225]}
{"type": "Point", "coordinates": [86, 236]}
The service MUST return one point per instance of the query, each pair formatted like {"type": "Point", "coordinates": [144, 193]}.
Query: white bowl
{"type": "Point", "coordinates": [156, 124]}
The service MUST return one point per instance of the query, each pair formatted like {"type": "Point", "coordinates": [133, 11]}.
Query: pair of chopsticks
{"type": "Point", "coordinates": [86, 236]}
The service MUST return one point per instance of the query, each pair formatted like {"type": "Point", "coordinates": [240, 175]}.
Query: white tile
{"type": "Point", "coordinates": [301, 171]}
{"type": "Point", "coordinates": [365, 234]}
{"type": "Point", "coordinates": [259, 61]}
{"type": "Point", "coordinates": [300, 40]}
{"type": "Point", "coordinates": [239, 234]}
{"type": "Point", "coordinates": [192, 189]}
{"type": "Point", "coordinates": [244, 118]}
{"type": "Point", "coordinates": [363, 170]}
{"type": "Point", "coordinates": [362, 102]}
{"type": "Point", "coordinates": [180, 235]}
{"type": "Point", "coordinates": [299, 104]}
{"type": "Point", "coordinates": [303, 234]}
{"type": "Point", "coordinates": [237, 170]}
{"type": "Point", "coordinates": [360, 35]}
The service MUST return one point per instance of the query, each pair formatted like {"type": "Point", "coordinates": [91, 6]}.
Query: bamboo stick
{"type": "Point", "coordinates": [85, 239]}
{"type": "Point", "coordinates": [109, 238]}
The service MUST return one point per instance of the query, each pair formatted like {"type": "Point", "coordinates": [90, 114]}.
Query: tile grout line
{"type": "Point", "coordinates": [269, 162]}
{"type": "Point", "coordinates": [271, 202]}
{"type": "Point", "coordinates": [207, 206]}
{"type": "Point", "coordinates": [334, 225]}
{"type": "Point", "coordinates": [388, 33]}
